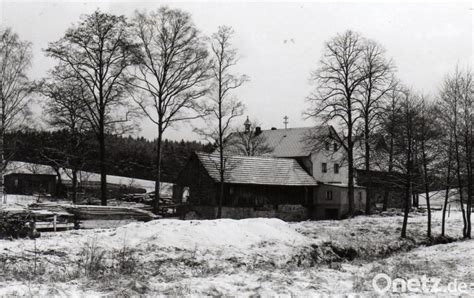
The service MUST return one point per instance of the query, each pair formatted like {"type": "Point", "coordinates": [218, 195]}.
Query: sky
{"type": "Point", "coordinates": [280, 43]}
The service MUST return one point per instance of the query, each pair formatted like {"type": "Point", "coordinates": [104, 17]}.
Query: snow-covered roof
{"type": "Point", "coordinates": [257, 170]}
{"type": "Point", "coordinates": [19, 167]}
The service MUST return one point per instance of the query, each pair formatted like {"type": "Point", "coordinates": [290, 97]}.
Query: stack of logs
{"type": "Point", "coordinates": [88, 212]}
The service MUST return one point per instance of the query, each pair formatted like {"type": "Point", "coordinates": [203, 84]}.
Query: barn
{"type": "Point", "coordinates": [254, 187]}
{"type": "Point", "coordinates": [28, 184]}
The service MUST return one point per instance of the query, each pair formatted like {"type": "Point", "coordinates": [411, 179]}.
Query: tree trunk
{"type": "Point", "coordinates": [221, 195]}
{"type": "Point", "coordinates": [74, 186]}
{"type": "Point", "coordinates": [351, 185]}
{"type": "Point", "coordinates": [390, 168]}
{"type": "Point", "coordinates": [2, 150]}
{"type": "Point", "coordinates": [385, 199]}
{"type": "Point", "coordinates": [220, 142]}
{"type": "Point", "coordinates": [367, 168]}
{"type": "Point", "coordinates": [60, 181]}
{"type": "Point", "coordinates": [427, 188]}
{"type": "Point", "coordinates": [221, 169]}
{"type": "Point", "coordinates": [350, 162]}
{"type": "Point", "coordinates": [409, 167]}
{"type": "Point", "coordinates": [103, 165]}
{"type": "Point", "coordinates": [468, 147]}
{"type": "Point", "coordinates": [156, 201]}
{"type": "Point", "coordinates": [446, 197]}
{"type": "Point", "coordinates": [407, 203]}
{"type": "Point", "coordinates": [460, 185]}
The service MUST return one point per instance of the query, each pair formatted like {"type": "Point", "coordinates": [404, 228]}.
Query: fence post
{"type": "Point", "coordinates": [54, 222]}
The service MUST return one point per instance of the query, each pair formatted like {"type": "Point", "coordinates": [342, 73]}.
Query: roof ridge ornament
{"type": "Point", "coordinates": [247, 125]}
{"type": "Point", "coordinates": [285, 121]}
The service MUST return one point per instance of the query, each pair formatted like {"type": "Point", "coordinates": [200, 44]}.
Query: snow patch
{"type": "Point", "coordinates": [207, 234]}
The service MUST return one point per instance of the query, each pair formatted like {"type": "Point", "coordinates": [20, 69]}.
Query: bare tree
{"type": "Point", "coordinates": [458, 105]}
{"type": "Point", "coordinates": [172, 72]}
{"type": "Point", "coordinates": [379, 80]}
{"type": "Point", "coordinates": [429, 137]}
{"type": "Point", "coordinates": [15, 58]}
{"type": "Point", "coordinates": [65, 109]}
{"type": "Point", "coordinates": [404, 148]}
{"type": "Point", "coordinates": [250, 141]}
{"type": "Point", "coordinates": [338, 80]}
{"type": "Point", "coordinates": [467, 128]}
{"type": "Point", "coordinates": [99, 49]}
{"type": "Point", "coordinates": [386, 149]}
{"type": "Point", "coordinates": [447, 154]}
{"type": "Point", "coordinates": [223, 107]}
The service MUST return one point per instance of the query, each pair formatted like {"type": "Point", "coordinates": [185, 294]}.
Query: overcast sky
{"type": "Point", "coordinates": [280, 43]}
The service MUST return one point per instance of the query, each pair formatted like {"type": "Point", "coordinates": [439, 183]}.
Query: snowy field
{"type": "Point", "coordinates": [265, 257]}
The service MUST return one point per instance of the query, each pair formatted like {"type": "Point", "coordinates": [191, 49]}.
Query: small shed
{"type": "Point", "coordinates": [254, 187]}
{"type": "Point", "coordinates": [28, 184]}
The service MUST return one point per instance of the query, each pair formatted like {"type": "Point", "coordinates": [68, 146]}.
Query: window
{"type": "Point", "coordinates": [327, 145]}
{"type": "Point", "coordinates": [335, 147]}
{"type": "Point", "coordinates": [324, 167]}
{"type": "Point", "coordinates": [336, 168]}
{"type": "Point", "coordinates": [329, 195]}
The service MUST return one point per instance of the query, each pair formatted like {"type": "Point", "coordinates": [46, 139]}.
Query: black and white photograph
{"type": "Point", "coordinates": [236, 148]}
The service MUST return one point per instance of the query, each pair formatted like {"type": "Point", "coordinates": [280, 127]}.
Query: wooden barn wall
{"type": "Point", "coordinates": [203, 190]}
{"type": "Point", "coordinates": [249, 195]}
{"type": "Point", "coordinates": [27, 184]}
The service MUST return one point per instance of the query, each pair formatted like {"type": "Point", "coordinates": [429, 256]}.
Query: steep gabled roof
{"type": "Point", "coordinates": [293, 142]}
{"type": "Point", "coordinates": [257, 170]}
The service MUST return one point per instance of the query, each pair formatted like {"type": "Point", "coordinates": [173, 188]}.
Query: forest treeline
{"type": "Point", "coordinates": [128, 156]}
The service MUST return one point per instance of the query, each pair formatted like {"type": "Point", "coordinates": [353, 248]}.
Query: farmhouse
{"type": "Point", "coordinates": [255, 187]}
{"type": "Point", "coordinates": [296, 178]}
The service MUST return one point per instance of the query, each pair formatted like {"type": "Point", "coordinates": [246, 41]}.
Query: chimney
{"type": "Point", "coordinates": [258, 130]}
{"type": "Point", "coordinates": [274, 128]}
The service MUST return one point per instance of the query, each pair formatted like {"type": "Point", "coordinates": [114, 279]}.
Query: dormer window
{"type": "Point", "coordinates": [327, 146]}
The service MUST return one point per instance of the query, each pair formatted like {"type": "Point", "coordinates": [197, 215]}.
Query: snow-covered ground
{"type": "Point", "coordinates": [16, 200]}
{"type": "Point", "coordinates": [437, 199]}
{"type": "Point", "coordinates": [247, 257]}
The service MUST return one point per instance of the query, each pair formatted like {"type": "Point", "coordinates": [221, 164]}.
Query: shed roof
{"type": "Point", "coordinates": [257, 170]}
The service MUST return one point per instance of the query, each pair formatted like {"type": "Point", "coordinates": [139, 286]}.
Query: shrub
{"type": "Point", "coordinates": [92, 259]}
{"type": "Point", "coordinates": [14, 226]}
{"type": "Point", "coordinates": [126, 260]}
